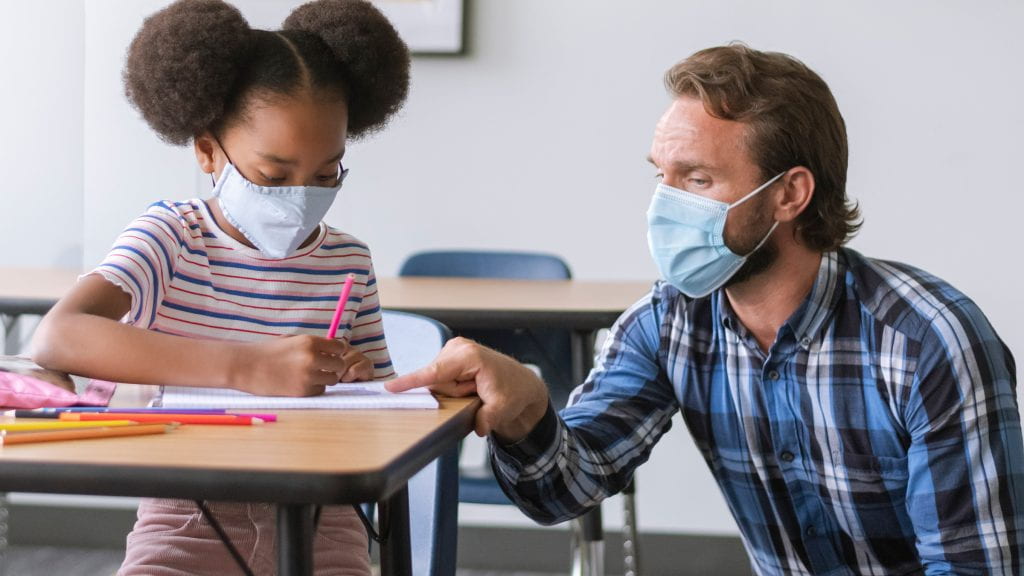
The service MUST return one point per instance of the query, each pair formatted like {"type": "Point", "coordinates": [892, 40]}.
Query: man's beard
{"type": "Point", "coordinates": [761, 260]}
{"type": "Point", "coordinates": [762, 257]}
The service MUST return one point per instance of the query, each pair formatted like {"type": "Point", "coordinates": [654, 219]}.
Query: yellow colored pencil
{"type": "Point", "coordinates": [7, 438]}
{"type": "Point", "coordinates": [23, 426]}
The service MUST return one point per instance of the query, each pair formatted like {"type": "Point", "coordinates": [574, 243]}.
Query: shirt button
{"type": "Point", "coordinates": [805, 342]}
{"type": "Point", "coordinates": [773, 375]}
{"type": "Point", "coordinates": [787, 456]}
{"type": "Point", "coordinates": [812, 531]}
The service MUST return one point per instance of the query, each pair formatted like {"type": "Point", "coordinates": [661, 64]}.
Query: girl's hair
{"type": "Point", "coordinates": [195, 65]}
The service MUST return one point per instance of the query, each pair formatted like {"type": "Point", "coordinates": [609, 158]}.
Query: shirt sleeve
{"type": "Point", "coordinates": [965, 457]}
{"type": "Point", "coordinates": [570, 462]}
{"type": "Point", "coordinates": [143, 259]}
{"type": "Point", "coordinates": [367, 334]}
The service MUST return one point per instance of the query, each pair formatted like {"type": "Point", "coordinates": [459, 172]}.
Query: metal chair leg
{"type": "Point", "coordinates": [3, 533]}
{"type": "Point", "coordinates": [630, 543]}
{"type": "Point", "coordinates": [588, 549]}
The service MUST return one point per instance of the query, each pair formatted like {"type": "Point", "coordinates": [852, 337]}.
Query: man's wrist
{"type": "Point", "coordinates": [535, 440]}
{"type": "Point", "coordinates": [520, 427]}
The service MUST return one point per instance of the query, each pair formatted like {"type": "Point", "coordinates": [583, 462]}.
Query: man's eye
{"type": "Point", "coordinates": [327, 179]}
{"type": "Point", "coordinates": [701, 182]}
{"type": "Point", "coordinates": [659, 176]}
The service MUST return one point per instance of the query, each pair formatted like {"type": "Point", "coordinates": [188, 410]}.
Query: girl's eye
{"type": "Point", "coordinates": [272, 180]}
{"type": "Point", "coordinates": [327, 179]}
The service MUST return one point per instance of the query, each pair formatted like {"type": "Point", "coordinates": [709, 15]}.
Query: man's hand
{"type": "Point", "coordinates": [514, 399]}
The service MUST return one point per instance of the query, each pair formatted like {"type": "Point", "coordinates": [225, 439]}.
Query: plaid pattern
{"type": "Point", "coordinates": [879, 435]}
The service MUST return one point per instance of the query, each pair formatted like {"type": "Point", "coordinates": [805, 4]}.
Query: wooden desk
{"type": "Point", "coordinates": [582, 307]}
{"type": "Point", "coordinates": [305, 459]}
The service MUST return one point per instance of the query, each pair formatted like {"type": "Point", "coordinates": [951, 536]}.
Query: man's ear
{"type": "Point", "coordinates": [207, 152]}
{"type": "Point", "coordinates": [797, 191]}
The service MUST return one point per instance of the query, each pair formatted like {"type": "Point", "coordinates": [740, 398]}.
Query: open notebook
{"type": "Point", "coordinates": [355, 396]}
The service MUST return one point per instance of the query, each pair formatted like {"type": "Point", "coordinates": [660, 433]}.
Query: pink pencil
{"type": "Point", "coordinates": [340, 309]}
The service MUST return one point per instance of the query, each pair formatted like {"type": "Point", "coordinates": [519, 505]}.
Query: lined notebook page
{"type": "Point", "coordinates": [356, 396]}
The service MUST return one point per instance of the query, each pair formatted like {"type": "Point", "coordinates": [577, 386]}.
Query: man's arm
{"type": "Point", "coordinates": [554, 467]}
{"type": "Point", "coordinates": [570, 462]}
{"type": "Point", "coordinates": [966, 459]}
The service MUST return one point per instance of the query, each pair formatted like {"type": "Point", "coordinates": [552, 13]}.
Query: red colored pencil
{"type": "Point", "coordinates": [229, 419]}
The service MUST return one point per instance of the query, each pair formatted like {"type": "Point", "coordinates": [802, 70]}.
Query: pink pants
{"type": "Point", "coordinates": [173, 538]}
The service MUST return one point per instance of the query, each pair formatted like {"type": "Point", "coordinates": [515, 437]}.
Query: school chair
{"type": "Point", "coordinates": [550, 351]}
{"type": "Point", "coordinates": [413, 341]}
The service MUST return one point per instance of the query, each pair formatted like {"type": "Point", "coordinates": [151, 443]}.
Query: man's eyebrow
{"type": "Point", "coordinates": [684, 167]}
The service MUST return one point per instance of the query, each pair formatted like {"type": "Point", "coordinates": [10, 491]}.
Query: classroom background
{"type": "Point", "coordinates": [535, 138]}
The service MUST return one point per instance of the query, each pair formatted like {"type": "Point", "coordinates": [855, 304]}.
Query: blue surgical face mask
{"type": "Point", "coordinates": [275, 219]}
{"type": "Point", "coordinates": [685, 235]}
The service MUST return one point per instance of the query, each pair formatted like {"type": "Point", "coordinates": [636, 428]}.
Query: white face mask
{"type": "Point", "coordinates": [275, 219]}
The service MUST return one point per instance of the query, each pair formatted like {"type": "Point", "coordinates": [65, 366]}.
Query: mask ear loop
{"type": "Point", "coordinates": [222, 149]}
{"type": "Point", "coordinates": [756, 190]}
{"type": "Point", "coordinates": [751, 195]}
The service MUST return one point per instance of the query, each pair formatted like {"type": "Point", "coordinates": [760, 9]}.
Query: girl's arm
{"type": "Point", "coordinates": [83, 335]}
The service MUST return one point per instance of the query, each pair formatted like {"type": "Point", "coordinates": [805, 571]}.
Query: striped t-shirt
{"type": "Point", "coordinates": [187, 277]}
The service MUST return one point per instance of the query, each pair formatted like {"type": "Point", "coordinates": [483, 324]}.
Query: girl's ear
{"type": "Point", "coordinates": [207, 151]}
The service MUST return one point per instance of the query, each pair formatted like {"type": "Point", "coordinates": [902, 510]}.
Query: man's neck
{"type": "Point", "coordinates": [764, 302]}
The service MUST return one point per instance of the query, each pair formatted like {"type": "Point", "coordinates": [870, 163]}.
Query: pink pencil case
{"type": "Point", "coordinates": [25, 385]}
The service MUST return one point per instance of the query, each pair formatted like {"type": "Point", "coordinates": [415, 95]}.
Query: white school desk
{"type": "Point", "coordinates": [306, 459]}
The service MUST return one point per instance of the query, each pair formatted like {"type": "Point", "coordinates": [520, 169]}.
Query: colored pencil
{"type": "Point", "coordinates": [23, 425]}
{"type": "Point", "coordinates": [179, 418]}
{"type": "Point", "coordinates": [339, 310]}
{"type": "Point", "coordinates": [121, 409]}
{"type": "Point", "coordinates": [56, 412]}
{"type": "Point", "coordinates": [7, 438]}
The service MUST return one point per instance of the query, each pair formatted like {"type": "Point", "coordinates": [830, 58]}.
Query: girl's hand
{"type": "Point", "coordinates": [360, 368]}
{"type": "Point", "coordinates": [300, 365]}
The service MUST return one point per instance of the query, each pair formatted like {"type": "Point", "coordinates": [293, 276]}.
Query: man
{"type": "Point", "coordinates": [858, 415]}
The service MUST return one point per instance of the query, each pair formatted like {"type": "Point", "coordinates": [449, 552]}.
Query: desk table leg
{"type": "Point", "coordinates": [295, 532]}
{"type": "Point", "coordinates": [395, 552]}
{"type": "Point", "coordinates": [588, 553]}
{"type": "Point", "coordinates": [12, 336]}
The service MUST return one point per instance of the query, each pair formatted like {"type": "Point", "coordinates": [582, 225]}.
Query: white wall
{"type": "Point", "coordinates": [41, 134]}
{"type": "Point", "coordinates": [536, 139]}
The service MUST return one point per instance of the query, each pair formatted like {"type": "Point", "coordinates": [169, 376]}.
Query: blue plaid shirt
{"type": "Point", "coordinates": [879, 435]}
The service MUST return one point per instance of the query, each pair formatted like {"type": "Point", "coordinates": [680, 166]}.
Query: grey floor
{"type": "Point", "coordinates": [47, 561]}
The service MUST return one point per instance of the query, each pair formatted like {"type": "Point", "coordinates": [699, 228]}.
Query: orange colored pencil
{"type": "Point", "coordinates": [163, 417]}
{"type": "Point", "coordinates": [7, 438]}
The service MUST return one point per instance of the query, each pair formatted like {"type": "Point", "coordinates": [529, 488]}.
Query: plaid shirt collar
{"type": "Point", "coordinates": [804, 326]}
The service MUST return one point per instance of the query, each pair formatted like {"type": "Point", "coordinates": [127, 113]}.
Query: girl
{"type": "Point", "coordinates": [235, 292]}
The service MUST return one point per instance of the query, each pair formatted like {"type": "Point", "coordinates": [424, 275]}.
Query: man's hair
{"type": "Point", "coordinates": [792, 120]}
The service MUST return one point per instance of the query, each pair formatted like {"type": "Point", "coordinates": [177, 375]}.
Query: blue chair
{"type": "Point", "coordinates": [413, 342]}
{"type": "Point", "coordinates": [549, 350]}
